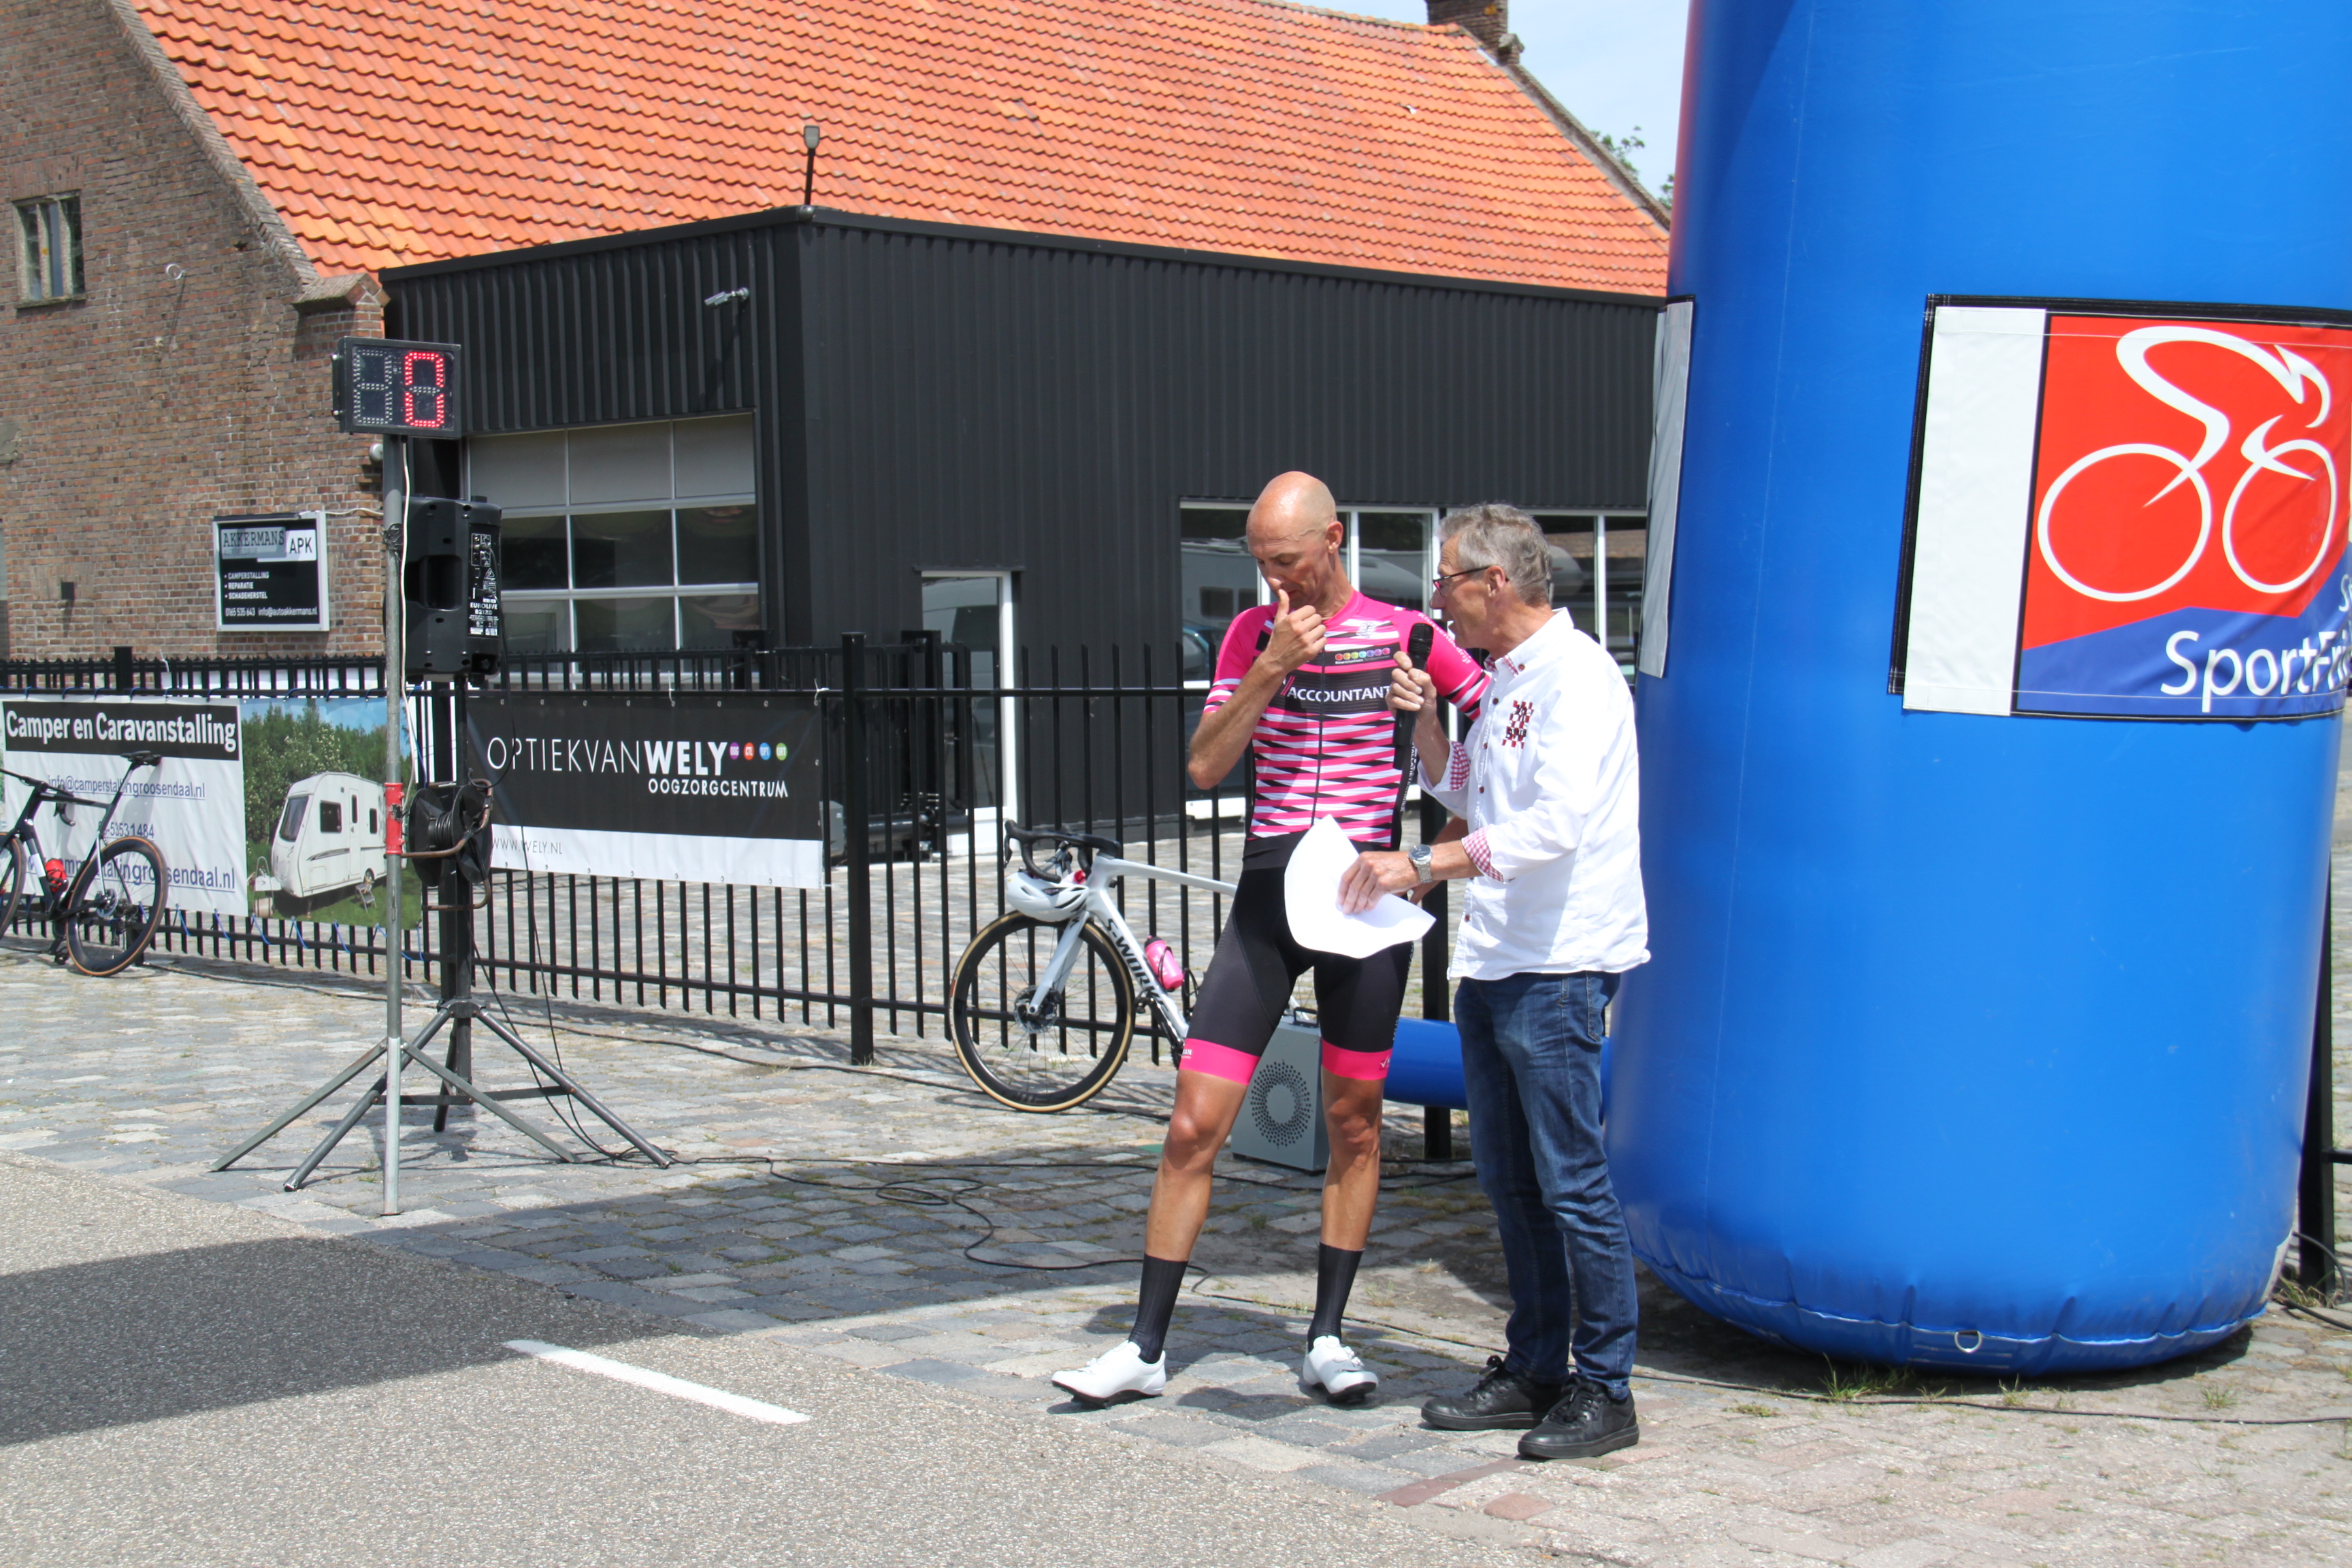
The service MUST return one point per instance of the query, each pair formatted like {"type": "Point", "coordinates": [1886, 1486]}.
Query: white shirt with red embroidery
{"type": "Point", "coordinates": [1550, 782]}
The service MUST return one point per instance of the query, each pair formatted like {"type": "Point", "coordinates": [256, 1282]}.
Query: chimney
{"type": "Point", "coordinates": [1488, 21]}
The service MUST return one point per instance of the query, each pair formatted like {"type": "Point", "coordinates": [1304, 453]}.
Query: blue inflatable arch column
{"type": "Point", "coordinates": [1970, 1039]}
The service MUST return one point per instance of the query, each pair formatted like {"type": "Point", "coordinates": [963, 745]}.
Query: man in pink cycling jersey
{"type": "Point", "coordinates": [1305, 682]}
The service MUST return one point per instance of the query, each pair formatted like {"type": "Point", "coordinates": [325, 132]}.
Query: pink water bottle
{"type": "Point", "coordinates": [1166, 967]}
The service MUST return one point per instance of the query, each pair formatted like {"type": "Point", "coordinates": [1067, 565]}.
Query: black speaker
{"type": "Point", "coordinates": [452, 588]}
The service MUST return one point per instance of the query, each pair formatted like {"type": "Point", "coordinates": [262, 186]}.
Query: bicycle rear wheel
{"type": "Point", "coordinates": [1036, 1052]}
{"type": "Point", "coordinates": [15, 869]}
{"type": "Point", "coordinates": [116, 907]}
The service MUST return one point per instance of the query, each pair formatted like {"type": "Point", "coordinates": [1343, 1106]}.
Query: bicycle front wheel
{"type": "Point", "coordinates": [15, 869]}
{"type": "Point", "coordinates": [115, 908]}
{"type": "Point", "coordinates": [1032, 1048]}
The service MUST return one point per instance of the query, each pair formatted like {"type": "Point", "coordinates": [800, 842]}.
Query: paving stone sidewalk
{"type": "Point", "coordinates": [895, 1219]}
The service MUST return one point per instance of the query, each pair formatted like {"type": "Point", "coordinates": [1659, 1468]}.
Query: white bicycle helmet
{"type": "Point", "coordinates": [1042, 899]}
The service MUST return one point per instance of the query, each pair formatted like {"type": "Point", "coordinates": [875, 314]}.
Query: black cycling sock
{"type": "Point", "coordinates": [1155, 1303]}
{"type": "Point", "coordinates": [1335, 1275]}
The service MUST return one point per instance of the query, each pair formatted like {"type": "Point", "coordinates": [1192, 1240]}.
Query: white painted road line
{"type": "Point", "coordinates": [660, 1383]}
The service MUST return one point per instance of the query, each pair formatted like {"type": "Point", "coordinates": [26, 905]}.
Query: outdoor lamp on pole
{"type": "Point", "coordinates": [810, 137]}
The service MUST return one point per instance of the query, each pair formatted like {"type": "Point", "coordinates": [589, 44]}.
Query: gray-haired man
{"type": "Point", "coordinates": [1548, 786]}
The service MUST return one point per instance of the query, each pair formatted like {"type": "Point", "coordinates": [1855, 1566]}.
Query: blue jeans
{"type": "Point", "coordinates": [1531, 1061]}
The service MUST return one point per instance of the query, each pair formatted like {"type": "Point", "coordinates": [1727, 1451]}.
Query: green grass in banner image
{"type": "Point", "coordinates": [314, 812]}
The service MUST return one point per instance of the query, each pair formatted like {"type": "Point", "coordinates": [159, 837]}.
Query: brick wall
{"type": "Point", "coordinates": [159, 399]}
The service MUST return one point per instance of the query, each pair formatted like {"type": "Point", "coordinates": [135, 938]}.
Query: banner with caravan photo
{"type": "Point", "coordinates": [313, 810]}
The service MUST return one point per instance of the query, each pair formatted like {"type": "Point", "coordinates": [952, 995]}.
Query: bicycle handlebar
{"type": "Point", "coordinates": [136, 758]}
{"type": "Point", "coordinates": [1088, 845]}
{"type": "Point", "coordinates": [50, 792]}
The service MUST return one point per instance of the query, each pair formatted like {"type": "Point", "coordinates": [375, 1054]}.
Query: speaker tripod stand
{"type": "Point", "coordinates": [459, 1012]}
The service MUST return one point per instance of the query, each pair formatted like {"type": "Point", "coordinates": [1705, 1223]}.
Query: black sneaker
{"type": "Point", "coordinates": [1501, 1399]}
{"type": "Point", "coordinates": [1588, 1422]}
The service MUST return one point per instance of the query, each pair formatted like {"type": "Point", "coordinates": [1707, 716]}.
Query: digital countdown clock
{"type": "Point", "coordinates": [384, 387]}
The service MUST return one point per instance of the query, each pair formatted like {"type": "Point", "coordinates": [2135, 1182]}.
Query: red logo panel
{"type": "Point", "coordinates": [2185, 464]}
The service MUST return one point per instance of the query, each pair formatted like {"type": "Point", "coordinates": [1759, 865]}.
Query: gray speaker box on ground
{"type": "Point", "coordinates": [1282, 1116]}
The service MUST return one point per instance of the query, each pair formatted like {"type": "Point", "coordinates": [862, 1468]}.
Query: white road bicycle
{"type": "Point", "coordinates": [1047, 997]}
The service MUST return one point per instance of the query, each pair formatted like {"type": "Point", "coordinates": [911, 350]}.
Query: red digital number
{"type": "Point", "coordinates": [424, 399]}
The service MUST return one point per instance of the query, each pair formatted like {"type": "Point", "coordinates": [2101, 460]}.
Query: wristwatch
{"type": "Point", "coordinates": [1418, 855]}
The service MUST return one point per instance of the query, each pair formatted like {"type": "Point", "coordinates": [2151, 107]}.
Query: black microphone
{"type": "Point", "coordinates": [1417, 645]}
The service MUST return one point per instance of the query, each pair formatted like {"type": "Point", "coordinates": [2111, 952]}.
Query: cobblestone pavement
{"type": "Point", "coordinates": [894, 1218]}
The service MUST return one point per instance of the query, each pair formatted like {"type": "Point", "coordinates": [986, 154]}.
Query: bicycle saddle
{"type": "Point", "coordinates": [143, 759]}
{"type": "Point", "coordinates": [1062, 836]}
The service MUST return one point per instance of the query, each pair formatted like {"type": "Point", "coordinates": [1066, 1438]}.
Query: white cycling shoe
{"type": "Point", "coordinates": [1338, 1370]}
{"type": "Point", "coordinates": [1114, 1373]}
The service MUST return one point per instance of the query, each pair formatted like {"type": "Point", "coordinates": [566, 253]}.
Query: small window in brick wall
{"type": "Point", "coordinates": [48, 263]}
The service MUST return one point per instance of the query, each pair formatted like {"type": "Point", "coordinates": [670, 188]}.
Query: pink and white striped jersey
{"type": "Point", "coordinates": [1326, 745]}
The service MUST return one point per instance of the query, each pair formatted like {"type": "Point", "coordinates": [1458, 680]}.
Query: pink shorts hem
{"type": "Point", "coordinates": [1342, 1063]}
{"type": "Point", "coordinates": [1216, 1060]}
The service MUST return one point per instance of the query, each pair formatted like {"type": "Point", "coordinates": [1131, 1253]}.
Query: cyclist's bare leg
{"type": "Point", "coordinates": [1352, 1183]}
{"type": "Point", "coordinates": [1207, 1106]}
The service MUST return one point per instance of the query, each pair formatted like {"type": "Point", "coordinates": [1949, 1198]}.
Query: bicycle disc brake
{"type": "Point", "coordinates": [1033, 1018]}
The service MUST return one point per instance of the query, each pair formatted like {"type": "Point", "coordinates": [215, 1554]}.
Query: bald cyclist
{"type": "Point", "coordinates": [1305, 681]}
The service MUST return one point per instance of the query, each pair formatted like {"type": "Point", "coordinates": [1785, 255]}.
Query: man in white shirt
{"type": "Point", "coordinates": [1547, 789]}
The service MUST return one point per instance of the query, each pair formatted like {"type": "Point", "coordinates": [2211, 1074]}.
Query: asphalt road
{"type": "Point", "coordinates": [184, 1383]}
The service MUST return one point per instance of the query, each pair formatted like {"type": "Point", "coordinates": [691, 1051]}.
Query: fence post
{"type": "Point", "coordinates": [858, 857]}
{"type": "Point", "coordinates": [2316, 1203]}
{"type": "Point", "coordinates": [1436, 1120]}
{"type": "Point", "coordinates": [123, 674]}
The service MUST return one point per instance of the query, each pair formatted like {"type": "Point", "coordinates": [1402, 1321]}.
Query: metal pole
{"type": "Point", "coordinates": [457, 916]}
{"type": "Point", "coordinates": [396, 684]}
{"type": "Point", "coordinates": [861, 886]}
{"type": "Point", "coordinates": [2315, 1201]}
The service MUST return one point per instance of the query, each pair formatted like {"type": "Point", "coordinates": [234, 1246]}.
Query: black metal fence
{"type": "Point", "coordinates": [921, 768]}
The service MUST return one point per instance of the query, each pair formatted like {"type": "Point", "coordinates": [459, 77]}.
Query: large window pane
{"type": "Point", "coordinates": [718, 544]}
{"type": "Point", "coordinates": [627, 626]}
{"type": "Point", "coordinates": [533, 553]}
{"type": "Point", "coordinates": [537, 626]}
{"type": "Point", "coordinates": [1629, 546]}
{"type": "Point", "coordinates": [519, 470]}
{"type": "Point", "coordinates": [1392, 557]}
{"type": "Point", "coordinates": [1573, 540]}
{"type": "Point", "coordinates": [714, 457]}
{"type": "Point", "coordinates": [720, 620]}
{"type": "Point", "coordinates": [1218, 580]}
{"type": "Point", "coordinates": [621, 462]}
{"type": "Point", "coordinates": [621, 550]}
{"type": "Point", "coordinates": [967, 610]}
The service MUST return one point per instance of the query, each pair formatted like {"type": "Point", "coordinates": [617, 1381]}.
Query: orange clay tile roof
{"type": "Point", "coordinates": [396, 132]}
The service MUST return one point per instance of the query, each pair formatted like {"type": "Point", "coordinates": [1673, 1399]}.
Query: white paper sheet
{"type": "Point", "coordinates": [1310, 887]}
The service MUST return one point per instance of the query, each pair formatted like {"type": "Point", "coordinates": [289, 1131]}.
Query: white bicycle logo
{"type": "Point", "coordinates": [2286, 367]}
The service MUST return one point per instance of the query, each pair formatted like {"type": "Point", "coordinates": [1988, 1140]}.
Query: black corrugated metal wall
{"type": "Point", "coordinates": [932, 396]}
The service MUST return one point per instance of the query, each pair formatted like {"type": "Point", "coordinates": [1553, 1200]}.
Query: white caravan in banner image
{"type": "Point", "coordinates": [330, 838]}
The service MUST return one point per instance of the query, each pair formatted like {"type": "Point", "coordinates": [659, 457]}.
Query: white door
{"type": "Point", "coordinates": [975, 609]}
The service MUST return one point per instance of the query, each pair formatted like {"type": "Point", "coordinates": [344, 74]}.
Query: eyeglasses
{"type": "Point", "coordinates": [1437, 584]}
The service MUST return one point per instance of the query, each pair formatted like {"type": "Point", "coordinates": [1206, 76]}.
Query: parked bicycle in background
{"type": "Point", "coordinates": [1046, 1000]}
{"type": "Point", "coordinates": [103, 912]}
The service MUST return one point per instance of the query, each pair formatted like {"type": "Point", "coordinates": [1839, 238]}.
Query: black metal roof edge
{"type": "Point", "coordinates": [779, 218]}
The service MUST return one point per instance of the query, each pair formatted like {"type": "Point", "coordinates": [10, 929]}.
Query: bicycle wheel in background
{"type": "Point", "coordinates": [15, 870]}
{"type": "Point", "coordinates": [117, 907]}
{"type": "Point", "coordinates": [1033, 1052]}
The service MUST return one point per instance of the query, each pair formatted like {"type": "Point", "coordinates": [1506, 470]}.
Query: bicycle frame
{"type": "Point", "coordinates": [56, 901]}
{"type": "Point", "coordinates": [1104, 874]}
